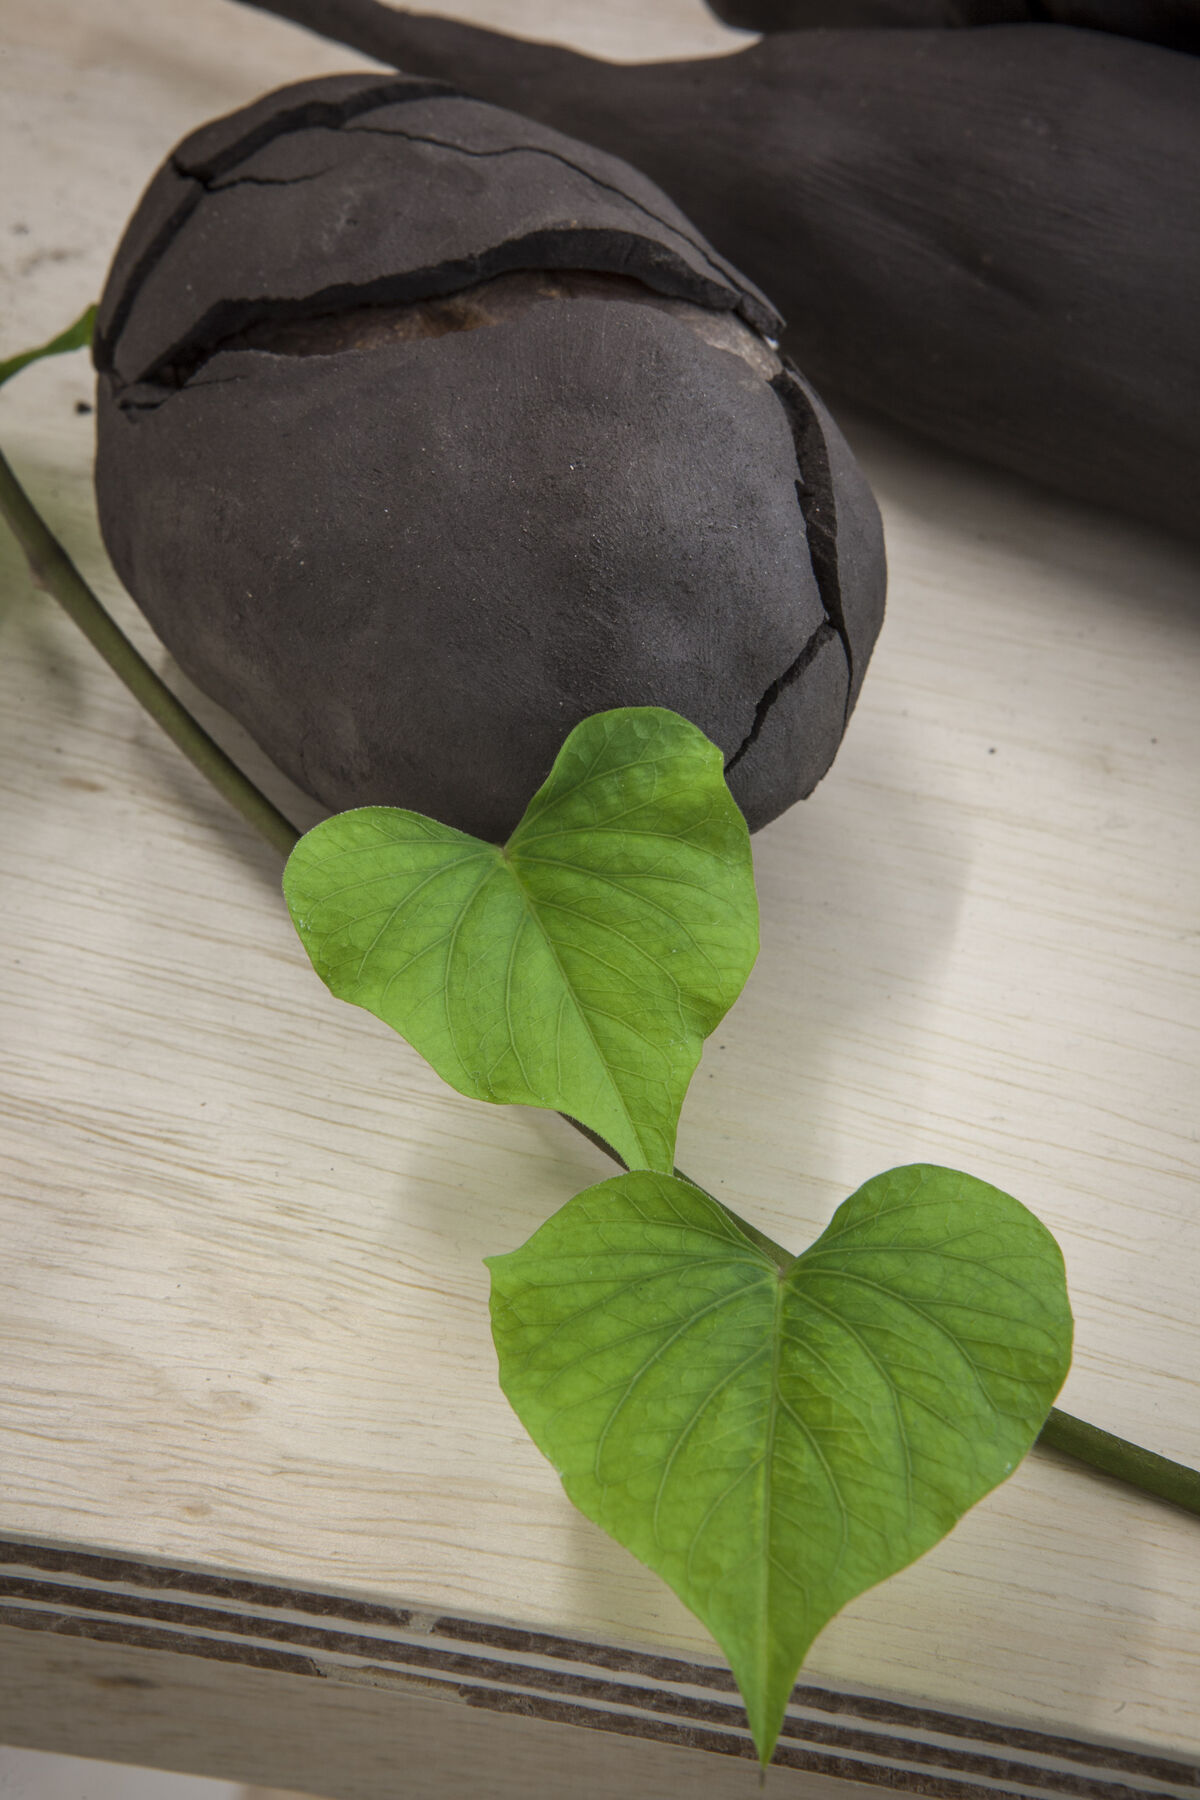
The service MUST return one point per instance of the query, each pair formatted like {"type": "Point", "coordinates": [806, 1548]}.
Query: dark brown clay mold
{"type": "Point", "coordinates": [425, 431]}
{"type": "Point", "coordinates": [1174, 23]}
{"type": "Point", "coordinates": [990, 236]}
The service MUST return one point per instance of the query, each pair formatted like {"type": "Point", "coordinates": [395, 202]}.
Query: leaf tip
{"type": "Point", "coordinates": [765, 1719]}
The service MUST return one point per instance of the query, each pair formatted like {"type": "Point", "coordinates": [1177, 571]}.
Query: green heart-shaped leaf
{"type": "Point", "coordinates": [773, 1436]}
{"type": "Point", "coordinates": [580, 966]}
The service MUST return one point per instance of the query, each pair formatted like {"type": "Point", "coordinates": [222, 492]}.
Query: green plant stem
{"type": "Point", "coordinates": [1124, 1461]}
{"type": "Point", "coordinates": [783, 1259]}
{"type": "Point", "coordinates": [54, 571]}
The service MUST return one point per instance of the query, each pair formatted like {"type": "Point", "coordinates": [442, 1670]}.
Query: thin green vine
{"type": "Point", "coordinates": [53, 570]}
{"type": "Point", "coordinates": [1116, 1456]}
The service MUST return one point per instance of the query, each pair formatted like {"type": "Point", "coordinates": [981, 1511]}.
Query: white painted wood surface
{"type": "Point", "coordinates": [243, 1316]}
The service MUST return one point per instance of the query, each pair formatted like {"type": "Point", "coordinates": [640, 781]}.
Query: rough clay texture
{"type": "Point", "coordinates": [991, 236]}
{"type": "Point", "coordinates": [1172, 22]}
{"type": "Point", "coordinates": [424, 432]}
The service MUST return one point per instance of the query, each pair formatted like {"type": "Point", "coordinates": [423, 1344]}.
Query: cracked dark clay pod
{"type": "Point", "coordinates": [991, 236]}
{"type": "Point", "coordinates": [425, 432]}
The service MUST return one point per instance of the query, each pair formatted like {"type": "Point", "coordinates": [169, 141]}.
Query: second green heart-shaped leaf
{"type": "Point", "coordinates": [578, 967]}
{"type": "Point", "coordinates": [775, 1435]}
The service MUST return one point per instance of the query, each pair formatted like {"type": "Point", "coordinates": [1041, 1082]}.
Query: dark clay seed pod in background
{"type": "Point", "coordinates": [1175, 23]}
{"type": "Point", "coordinates": [990, 236]}
{"type": "Point", "coordinates": [425, 432]}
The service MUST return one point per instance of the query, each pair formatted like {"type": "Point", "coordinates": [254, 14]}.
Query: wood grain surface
{"type": "Point", "coordinates": [243, 1321]}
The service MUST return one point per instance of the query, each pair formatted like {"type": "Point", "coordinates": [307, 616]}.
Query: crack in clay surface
{"type": "Point", "coordinates": [315, 115]}
{"type": "Point", "coordinates": [412, 137]}
{"type": "Point", "coordinates": [269, 181]}
{"type": "Point", "coordinates": [376, 325]}
{"type": "Point", "coordinates": [825, 633]}
{"type": "Point", "coordinates": [817, 501]}
{"type": "Point", "coordinates": [389, 92]}
{"type": "Point", "coordinates": [814, 492]}
{"type": "Point", "coordinates": [216, 176]}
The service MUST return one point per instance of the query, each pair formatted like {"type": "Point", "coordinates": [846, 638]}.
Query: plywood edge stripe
{"type": "Point", "coordinates": [109, 1599]}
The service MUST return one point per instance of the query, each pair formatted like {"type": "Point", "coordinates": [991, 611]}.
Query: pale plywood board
{"type": "Point", "coordinates": [37, 1775]}
{"type": "Point", "coordinates": [347, 1740]}
{"type": "Point", "coordinates": [42, 1775]}
{"type": "Point", "coordinates": [244, 1312]}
